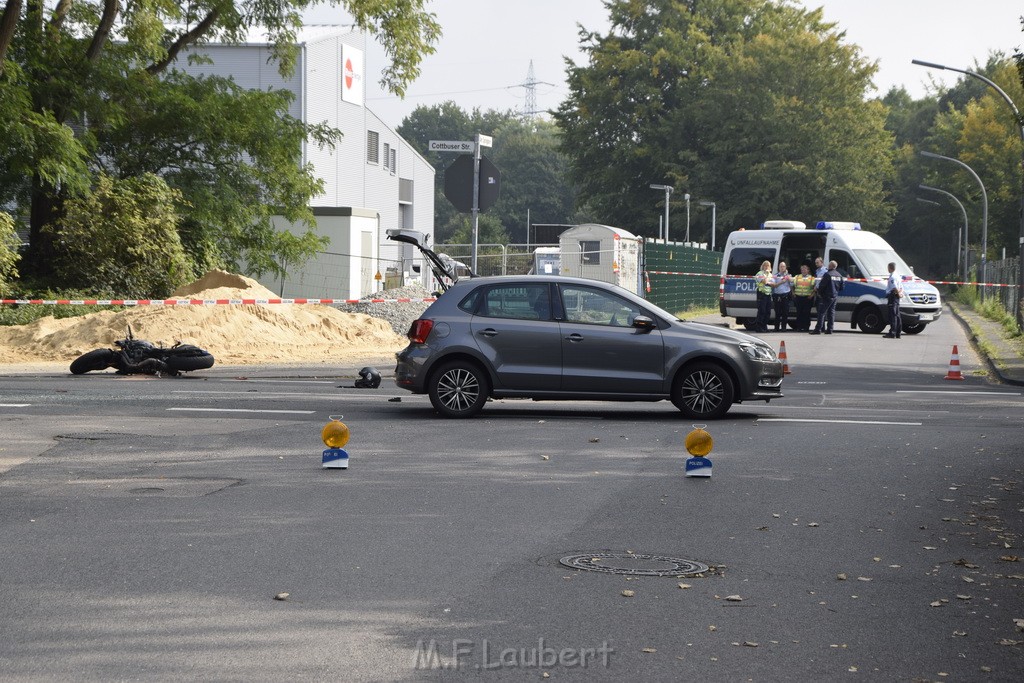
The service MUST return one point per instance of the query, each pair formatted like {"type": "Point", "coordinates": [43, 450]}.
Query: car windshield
{"type": "Point", "coordinates": [876, 262]}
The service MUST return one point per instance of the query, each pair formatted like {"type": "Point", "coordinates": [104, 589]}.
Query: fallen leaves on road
{"type": "Point", "coordinates": [628, 593]}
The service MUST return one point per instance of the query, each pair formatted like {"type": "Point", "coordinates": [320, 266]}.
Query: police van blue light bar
{"type": "Point", "coordinates": [837, 225]}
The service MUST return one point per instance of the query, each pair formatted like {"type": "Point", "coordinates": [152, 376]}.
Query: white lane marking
{"type": "Point", "coordinates": [15, 405]}
{"type": "Point", "coordinates": [848, 406]}
{"type": "Point", "coordinates": [241, 410]}
{"type": "Point", "coordinates": [957, 393]}
{"type": "Point", "coordinates": [845, 422]}
{"type": "Point", "coordinates": [285, 381]}
{"type": "Point", "coordinates": [270, 394]}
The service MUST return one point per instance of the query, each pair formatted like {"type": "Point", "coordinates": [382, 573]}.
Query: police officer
{"type": "Point", "coordinates": [764, 280]}
{"type": "Point", "coordinates": [893, 293]}
{"type": "Point", "coordinates": [803, 297]}
{"type": "Point", "coordinates": [782, 295]}
{"type": "Point", "coordinates": [828, 289]}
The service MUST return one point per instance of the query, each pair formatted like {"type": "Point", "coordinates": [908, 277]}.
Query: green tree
{"type": "Point", "coordinates": [122, 239]}
{"type": "Point", "coordinates": [536, 183]}
{"type": "Point", "coordinates": [984, 134]}
{"type": "Point", "coordinates": [75, 78]}
{"type": "Point", "coordinates": [535, 179]}
{"type": "Point", "coordinates": [9, 256]}
{"type": "Point", "coordinates": [758, 106]}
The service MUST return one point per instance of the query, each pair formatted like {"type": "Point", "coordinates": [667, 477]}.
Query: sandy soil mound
{"type": "Point", "coordinates": [234, 334]}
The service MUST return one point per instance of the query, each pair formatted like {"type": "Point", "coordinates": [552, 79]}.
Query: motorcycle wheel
{"type": "Point", "coordinates": [99, 359]}
{"type": "Point", "coordinates": [193, 358]}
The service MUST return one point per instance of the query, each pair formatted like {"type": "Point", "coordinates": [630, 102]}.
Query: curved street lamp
{"type": "Point", "coordinates": [1020, 125]}
{"type": "Point", "coordinates": [984, 213]}
{"type": "Point", "coordinates": [963, 211]}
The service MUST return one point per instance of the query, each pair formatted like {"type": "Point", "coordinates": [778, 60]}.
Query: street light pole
{"type": "Point", "coordinates": [1019, 313]}
{"type": "Point", "coordinates": [687, 198]}
{"type": "Point", "coordinates": [668, 193]}
{"type": "Point", "coordinates": [712, 205]}
{"type": "Point", "coordinates": [984, 215]}
{"type": "Point", "coordinates": [963, 211]}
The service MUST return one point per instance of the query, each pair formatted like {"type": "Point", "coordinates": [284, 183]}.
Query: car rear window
{"type": "Point", "coordinates": [518, 301]}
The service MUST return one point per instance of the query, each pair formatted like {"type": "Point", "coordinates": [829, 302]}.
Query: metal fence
{"type": "Point", "coordinates": [494, 259]}
{"type": "Point", "coordinates": [682, 277]}
{"type": "Point", "coordinates": [1006, 272]}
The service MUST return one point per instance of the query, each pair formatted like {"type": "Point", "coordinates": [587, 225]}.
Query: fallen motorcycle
{"type": "Point", "coordinates": [136, 356]}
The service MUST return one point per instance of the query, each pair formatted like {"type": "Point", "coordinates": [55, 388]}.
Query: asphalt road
{"type": "Point", "coordinates": [865, 527]}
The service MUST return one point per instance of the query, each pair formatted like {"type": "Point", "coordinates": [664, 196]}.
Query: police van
{"type": "Point", "coordinates": [863, 259]}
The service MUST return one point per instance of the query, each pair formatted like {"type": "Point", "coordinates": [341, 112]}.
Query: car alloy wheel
{"type": "Point", "coordinates": [458, 389]}
{"type": "Point", "coordinates": [704, 391]}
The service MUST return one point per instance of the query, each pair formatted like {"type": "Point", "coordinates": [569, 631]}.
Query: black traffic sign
{"type": "Point", "coordinates": [458, 183]}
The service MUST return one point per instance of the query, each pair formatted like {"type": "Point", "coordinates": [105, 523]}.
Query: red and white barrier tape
{"type": "Point", "coordinates": [848, 279]}
{"type": "Point", "coordinates": [203, 302]}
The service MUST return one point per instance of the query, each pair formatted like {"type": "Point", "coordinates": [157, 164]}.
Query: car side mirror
{"type": "Point", "coordinates": [642, 322]}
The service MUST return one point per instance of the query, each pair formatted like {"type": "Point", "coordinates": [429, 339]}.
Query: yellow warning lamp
{"type": "Point", "coordinates": [699, 442]}
{"type": "Point", "coordinates": [335, 433]}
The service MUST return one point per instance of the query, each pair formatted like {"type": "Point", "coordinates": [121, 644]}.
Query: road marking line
{"type": "Point", "coordinates": [957, 393]}
{"type": "Point", "coordinates": [15, 405]}
{"type": "Point", "coordinates": [284, 381]}
{"type": "Point", "coordinates": [845, 422]}
{"type": "Point", "coordinates": [271, 394]}
{"type": "Point", "coordinates": [241, 410]}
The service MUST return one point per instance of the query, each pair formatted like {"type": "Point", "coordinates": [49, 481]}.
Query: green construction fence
{"type": "Point", "coordinates": [682, 278]}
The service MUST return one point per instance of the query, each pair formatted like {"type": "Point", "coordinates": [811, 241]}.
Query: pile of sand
{"type": "Point", "coordinates": [234, 334]}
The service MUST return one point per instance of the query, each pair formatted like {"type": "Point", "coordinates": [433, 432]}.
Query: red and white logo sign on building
{"type": "Point", "coordinates": [351, 75]}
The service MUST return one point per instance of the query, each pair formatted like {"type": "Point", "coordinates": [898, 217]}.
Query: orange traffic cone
{"type": "Point", "coordinates": [954, 366]}
{"type": "Point", "coordinates": [782, 357]}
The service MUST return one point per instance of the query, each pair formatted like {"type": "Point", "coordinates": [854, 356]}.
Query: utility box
{"type": "Point", "coordinates": [601, 252]}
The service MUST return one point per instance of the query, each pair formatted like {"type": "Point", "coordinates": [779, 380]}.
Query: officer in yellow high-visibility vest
{"type": "Point", "coordinates": [764, 280]}
{"type": "Point", "coordinates": [803, 297]}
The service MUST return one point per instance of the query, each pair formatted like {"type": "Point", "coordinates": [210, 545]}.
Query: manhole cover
{"type": "Point", "coordinates": [633, 564]}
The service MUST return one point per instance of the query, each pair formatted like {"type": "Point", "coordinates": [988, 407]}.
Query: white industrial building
{"type": "Point", "coordinates": [374, 180]}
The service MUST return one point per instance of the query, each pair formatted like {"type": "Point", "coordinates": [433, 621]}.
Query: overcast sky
{"type": "Point", "coordinates": [484, 56]}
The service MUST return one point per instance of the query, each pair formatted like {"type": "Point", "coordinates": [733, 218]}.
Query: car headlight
{"type": "Point", "coordinates": [758, 351]}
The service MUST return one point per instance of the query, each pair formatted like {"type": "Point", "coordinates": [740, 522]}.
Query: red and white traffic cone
{"type": "Point", "coordinates": [954, 366]}
{"type": "Point", "coordinates": [782, 357]}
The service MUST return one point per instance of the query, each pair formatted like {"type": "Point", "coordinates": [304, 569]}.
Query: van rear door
{"type": "Point", "coordinates": [801, 248]}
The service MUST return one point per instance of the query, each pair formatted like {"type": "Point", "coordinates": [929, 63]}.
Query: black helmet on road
{"type": "Point", "coordinates": [369, 378]}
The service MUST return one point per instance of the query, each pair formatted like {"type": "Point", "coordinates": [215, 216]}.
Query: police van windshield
{"type": "Point", "coordinates": [876, 262]}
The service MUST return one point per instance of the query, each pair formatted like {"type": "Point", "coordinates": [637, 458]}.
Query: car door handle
{"type": "Point", "coordinates": [574, 337]}
{"type": "Point", "coordinates": [489, 332]}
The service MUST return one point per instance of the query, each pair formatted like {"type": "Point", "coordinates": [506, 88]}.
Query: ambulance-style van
{"type": "Point", "coordinates": [863, 259]}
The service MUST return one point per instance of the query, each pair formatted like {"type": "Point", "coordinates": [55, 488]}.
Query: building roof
{"type": "Point", "coordinates": [310, 33]}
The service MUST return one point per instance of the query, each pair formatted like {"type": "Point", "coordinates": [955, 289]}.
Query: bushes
{"type": "Point", "coordinates": [122, 239]}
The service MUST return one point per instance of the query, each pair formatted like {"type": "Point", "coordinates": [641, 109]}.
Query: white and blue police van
{"type": "Point", "coordinates": [863, 259]}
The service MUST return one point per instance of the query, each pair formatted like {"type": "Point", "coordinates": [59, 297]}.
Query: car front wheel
{"type": "Point", "coordinates": [913, 329]}
{"type": "Point", "coordinates": [703, 391]}
{"type": "Point", "coordinates": [459, 389]}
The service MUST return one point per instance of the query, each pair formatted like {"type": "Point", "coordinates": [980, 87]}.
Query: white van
{"type": "Point", "coordinates": [863, 259]}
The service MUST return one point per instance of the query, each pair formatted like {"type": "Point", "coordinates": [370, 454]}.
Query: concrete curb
{"type": "Point", "coordinates": [965, 319]}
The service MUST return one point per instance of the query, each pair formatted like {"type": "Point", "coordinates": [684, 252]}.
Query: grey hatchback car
{"type": "Point", "coordinates": [541, 338]}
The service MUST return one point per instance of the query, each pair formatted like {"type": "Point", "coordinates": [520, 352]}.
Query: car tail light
{"type": "Point", "coordinates": [420, 330]}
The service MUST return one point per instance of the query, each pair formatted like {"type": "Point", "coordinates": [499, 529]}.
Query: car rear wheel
{"type": "Point", "coordinates": [459, 389]}
{"type": "Point", "coordinates": [914, 329]}
{"type": "Point", "coordinates": [703, 391]}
